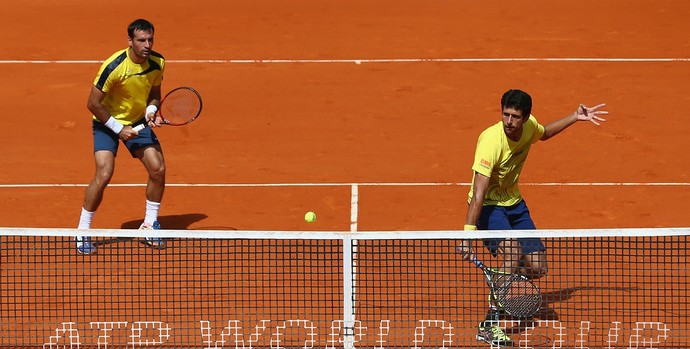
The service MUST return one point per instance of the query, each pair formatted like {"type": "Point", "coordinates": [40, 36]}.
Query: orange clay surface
{"type": "Point", "coordinates": [344, 123]}
{"type": "Point", "coordinates": [374, 122]}
{"type": "Point", "coordinates": [380, 122]}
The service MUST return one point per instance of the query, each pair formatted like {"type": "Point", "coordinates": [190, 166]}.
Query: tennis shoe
{"type": "Point", "coordinates": [494, 336]}
{"type": "Point", "coordinates": [84, 245]}
{"type": "Point", "coordinates": [157, 243]}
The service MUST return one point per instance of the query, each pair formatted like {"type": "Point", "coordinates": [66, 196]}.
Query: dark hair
{"type": "Point", "coordinates": [517, 99]}
{"type": "Point", "coordinates": [139, 24]}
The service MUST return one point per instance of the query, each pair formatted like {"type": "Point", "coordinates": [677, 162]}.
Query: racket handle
{"type": "Point", "coordinates": [138, 127]}
{"type": "Point", "coordinates": [478, 262]}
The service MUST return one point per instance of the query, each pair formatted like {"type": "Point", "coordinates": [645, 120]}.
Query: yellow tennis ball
{"type": "Point", "coordinates": [310, 216]}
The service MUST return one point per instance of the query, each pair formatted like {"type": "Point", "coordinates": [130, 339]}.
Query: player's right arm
{"type": "Point", "coordinates": [95, 106]}
{"type": "Point", "coordinates": [480, 187]}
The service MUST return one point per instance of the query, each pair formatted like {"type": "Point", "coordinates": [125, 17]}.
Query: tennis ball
{"type": "Point", "coordinates": [310, 216]}
{"type": "Point", "coordinates": [358, 62]}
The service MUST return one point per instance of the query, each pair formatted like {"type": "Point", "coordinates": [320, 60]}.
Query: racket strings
{"type": "Point", "coordinates": [180, 107]}
{"type": "Point", "coordinates": [518, 296]}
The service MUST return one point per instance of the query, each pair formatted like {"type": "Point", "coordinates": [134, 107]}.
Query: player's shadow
{"type": "Point", "coordinates": [175, 222]}
{"type": "Point", "coordinates": [546, 312]}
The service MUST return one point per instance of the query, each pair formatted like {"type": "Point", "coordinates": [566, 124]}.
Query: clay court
{"type": "Point", "coordinates": [291, 122]}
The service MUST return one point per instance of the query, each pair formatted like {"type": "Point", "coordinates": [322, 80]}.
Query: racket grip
{"type": "Point", "coordinates": [139, 127]}
{"type": "Point", "coordinates": [477, 262]}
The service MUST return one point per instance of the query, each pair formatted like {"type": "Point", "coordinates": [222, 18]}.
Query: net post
{"type": "Point", "coordinates": [348, 294]}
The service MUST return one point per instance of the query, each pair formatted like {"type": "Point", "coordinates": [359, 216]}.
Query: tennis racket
{"type": "Point", "coordinates": [514, 293]}
{"type": "Point", "coordinates": [179, 107]}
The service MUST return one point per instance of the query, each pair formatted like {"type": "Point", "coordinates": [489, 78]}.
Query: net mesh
{"type": "Point", "coordinates": [329, 290]}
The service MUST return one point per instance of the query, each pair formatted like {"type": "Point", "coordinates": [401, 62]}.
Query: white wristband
{"type": "Point", "coordinates": [151, 109]}
{"type": "Point", "coordinates": [114, 125]}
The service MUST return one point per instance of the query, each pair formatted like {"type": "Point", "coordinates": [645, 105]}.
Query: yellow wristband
{"type": "Point", "coordinates": [470, 227]}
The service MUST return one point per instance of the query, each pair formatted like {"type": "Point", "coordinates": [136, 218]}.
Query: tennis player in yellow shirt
{"type": "Point", "coordinates": [494, 198]}
{"type": "Point", "coordinates": [126, 93]}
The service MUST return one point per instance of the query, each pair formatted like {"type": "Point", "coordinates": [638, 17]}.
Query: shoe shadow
{"type": "Point", "coordinates": [176, 222]}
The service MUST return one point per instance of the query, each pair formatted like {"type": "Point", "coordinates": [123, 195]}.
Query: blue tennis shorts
{"type": "Point", "coordinates": [514, 217]}
{"type": "Point", "coordinates": [106, 139]}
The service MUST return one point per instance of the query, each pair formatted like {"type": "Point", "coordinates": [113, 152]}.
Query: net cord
{"type": "Point", "coordinates": [369, 235]}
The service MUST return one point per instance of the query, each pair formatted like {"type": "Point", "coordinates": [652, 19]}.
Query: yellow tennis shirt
{"type": "Point", "coordinates": [127, 84]}
{"type": "Point", "coordinates": [501, 159]}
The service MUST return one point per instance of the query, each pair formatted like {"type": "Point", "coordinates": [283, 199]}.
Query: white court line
{"type": "Point", "coordinates": [354, 207]}
{"type": "Point", "coordinates": [380, 60]}
{"type": "Point", "coordinates": [370, 184]}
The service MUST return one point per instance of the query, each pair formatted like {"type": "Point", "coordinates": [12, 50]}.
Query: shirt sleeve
{"type": "Point", "coordinates": [103, 79]}
{"type": "Point", "coordinates": [538, 129]}
{"type": "Point", "coordinates": [486, 155]}
{"type": "Point", "coordinates": [159, 78]}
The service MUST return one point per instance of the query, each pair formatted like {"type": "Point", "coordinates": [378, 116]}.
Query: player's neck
{"type": "Point", "coordinates": [515, 137]}
{"type": "Point", "coordinates": [134, 58]}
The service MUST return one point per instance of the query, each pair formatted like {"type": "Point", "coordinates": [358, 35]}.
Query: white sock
{"type": "Point", "coordinates": [85, 219]}
{"type": "Point", "coordinates": [151, 212]}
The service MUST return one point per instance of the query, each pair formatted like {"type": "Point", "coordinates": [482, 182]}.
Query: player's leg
{"type": "Point", "coordinates": [93, 196]}
{"type": "Point", "coordinates": [152, 158]}
{"type": "Point", "coordinates": [105, 145]}
{"type": "Point", "coordinates": [496, 218]}
{"type": "Point", "coordinates": [105, 167]}
{"type": "Point", "coordinates": [533, 262]}
{"type": "Point", "coordinates": [148, 150]}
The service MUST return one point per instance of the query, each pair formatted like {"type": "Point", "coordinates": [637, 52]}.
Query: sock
{"type": "Point", "coordinates": [151, 212]}
{"type": "Point", "coordinates": [85, 219]}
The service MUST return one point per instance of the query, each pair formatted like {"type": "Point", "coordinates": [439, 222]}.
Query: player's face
{"type": "Point", "coordinates": [512, 123]}
{"type": "Point", "coordinates": [141, 45]}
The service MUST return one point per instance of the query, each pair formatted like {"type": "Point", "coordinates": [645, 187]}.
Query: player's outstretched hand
{"type": "Point", "coordinates": [591, 114]}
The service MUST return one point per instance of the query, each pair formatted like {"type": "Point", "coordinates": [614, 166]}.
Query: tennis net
{"type": "Point", "coordinates": [617, 288]}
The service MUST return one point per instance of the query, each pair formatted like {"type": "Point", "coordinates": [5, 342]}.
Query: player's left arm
{"type": "Point", "coordinates": [583, 113]}
{"type": "Point", "coordinates": [154, 102]}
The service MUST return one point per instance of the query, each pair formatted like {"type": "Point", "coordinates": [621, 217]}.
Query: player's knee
{"type": "Point", "coordinates": [102, 178]}
{"type": "Point", "coordinates": [534, 269]}
{"type": "Point", "coordinates": [157, 173]}
{"type": "Point", "coordinates": [538, 270]}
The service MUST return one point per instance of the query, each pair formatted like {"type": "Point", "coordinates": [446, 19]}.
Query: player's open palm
{"type": "Point", "coordinates": [585, 113]}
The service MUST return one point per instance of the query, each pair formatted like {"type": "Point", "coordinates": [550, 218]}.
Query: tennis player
{"type": "Point", "coordinates": [127, 92]}
{"type": "Point", "coordinates": [494, 199]}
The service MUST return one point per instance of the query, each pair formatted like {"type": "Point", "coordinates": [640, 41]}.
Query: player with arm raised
{"type": "Point", "coordinates": [126, 93]}
{"type": "Point", "coordinates": [494, 199]}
